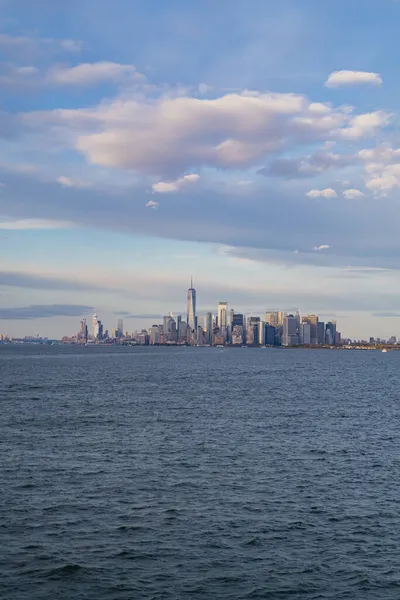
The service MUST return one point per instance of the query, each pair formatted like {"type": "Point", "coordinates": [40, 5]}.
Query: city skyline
{"type": "Point", "coordinates": [223, 326]}
{"type": "Point", "coordinates": [260, 154]}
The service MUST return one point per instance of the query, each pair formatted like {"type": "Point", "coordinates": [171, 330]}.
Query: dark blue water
{"type": "Point", "coordinates": [199, 473]}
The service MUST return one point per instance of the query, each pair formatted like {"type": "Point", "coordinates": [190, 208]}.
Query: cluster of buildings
{"type": "Point", "coordinates": [97, 333]}
{"type": "Point", "coordinates": [224, 327]}
{"type": "Point", "coordinates": [227, 327]}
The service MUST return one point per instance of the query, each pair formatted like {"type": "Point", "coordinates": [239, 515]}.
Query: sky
{"type": "Point", "coordinates": [253, 145]}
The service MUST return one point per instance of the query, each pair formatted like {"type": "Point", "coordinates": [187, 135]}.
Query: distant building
{"type": "Point", "coordinates": [120, 329]}
{"type": "Point", "coordinates": [237, 319]}
{"type": "Point", "coordinates": [321, 333]}
{"type": "Point", "coordinates": [330, 333]}
{"type": "Point", "coordinates": [278, 335]}
{"type": "Point", "coordinates": [269, 335]}
{"type": "Point", "coordinates": [261, 333]}
{"type": "Point", "coordinates": [253, 331]}
{"type": "Point", "coordinates": [170, 333]}
{"type": "Point", "coordinates": [191, 307]}
{"type": "Point", "coordinates": [142, 338]}
{"type": "Point", "coordinates": [237, 335]}
{"type": "Point", "coordinates": [94, 326]}
{"type": "Point", "coordinates": [208, 326]}
{"type": "Point", "coordinates": [155, 335]}
{"type": "Point", "coordinates": [281, 316]}
{"type": "Point", "coordinates": [183, 332]}
{"type": "Point", "coordinates": [200, 337]}
{"type": "Point", "coordinates": [222, 314]}
{"type": "Point", "coordinates": [298, 322]}
{"type": "Point", "coordinates": [305, 334]}
{"type": "Point", "coordinates": [290, 337]}
{"type": "Point", "coordinates": [313, 321]}
{"type": "Point", "coordinates": [271, 318]}
{"type": "Point", "coordinates": [178, 325]}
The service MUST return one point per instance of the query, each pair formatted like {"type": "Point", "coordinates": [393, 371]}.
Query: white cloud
{"type": "Point", "coordinates": [169, 135]}
{"type": "Point", "coordinates": [88, 74]}
{"type": "Point", "coordinates": [27, 224]}
{"type": "Point", "coordinates": [382, 169]}
{"type": "Point", "coordinates": [339, 78]}
{"type": "Point", "coordinates": [164, 187]}
{"type": "Point", "coordinates": [322, 247]}
{"type": "Point", "coordinates": [353, 193]}
{"type": "Point", "coordinates": [72, 183]}
{"type": "Point", "coordinates": [366, 125]}
{"type": "Point", "coordinates": [326, 193]}
{"type": "Point", "coordinates": [152, 204]}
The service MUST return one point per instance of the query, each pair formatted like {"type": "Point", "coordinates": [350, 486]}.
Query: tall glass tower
{"type": "Point", "coordinates": [191, 307]}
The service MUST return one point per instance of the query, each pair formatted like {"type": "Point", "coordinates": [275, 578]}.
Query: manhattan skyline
{"type": "Point", "coordinates": [251, 144]}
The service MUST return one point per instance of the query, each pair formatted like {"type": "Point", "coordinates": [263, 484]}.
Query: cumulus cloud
{"type": "Point", "coordinates": [167, 136]}
{"type": "Point", "coordinates": [152, 204]}
{"type": "Point", "coordinates": [322, 247]}
{"type": "Point", "coordinates": [366, 125]}
{"type": "Point", "coordinates": [382, 169]}
{"type": "Point", "coordinates": [345, 78]}
{"type": "Point", "coordinates": [326, 193]}
{"type": "Point", "coordinates": [89, 74]}
{"type": "Point", "coordinates": [351, 194]}
{"type": "Point", "coordinates": [165, 187]}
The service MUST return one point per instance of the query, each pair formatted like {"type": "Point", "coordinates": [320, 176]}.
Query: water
{"type": "Point", "coordinates": [198, 473]}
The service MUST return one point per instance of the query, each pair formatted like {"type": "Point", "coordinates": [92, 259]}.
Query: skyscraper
{"type": "Point", "coordinates": [120, 328]}
{"type": "Point", "coordinates": [208, 327]}
{"type": "Point", "coordinates": [305, 334]}
{"type": "Point", "coordinates": [191, 307]}
{"type": "Point", "coordinates": [321, 333]}
{"type": "Point", "coordinates": [313, 320]}
{"type": "Point", "coordinates": [331, 332]}
{"type": "Point", "coordinates": [261, 335]}
{"type": "Point", "coordinates": [298, 322]}
{"type": "Point", "coordinates": [290, 337]}
{"type": "Point", "coordinates": [94, 326]}
{"type": "Point", "coordinates": [222, 314]}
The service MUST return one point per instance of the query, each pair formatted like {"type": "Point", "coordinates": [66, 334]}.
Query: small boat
{"type": "Point", "coordinates": [384, 349]}
{"type": "Point", "coordinates": [219, 346]}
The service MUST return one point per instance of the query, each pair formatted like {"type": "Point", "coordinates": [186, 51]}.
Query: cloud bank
{"type": "Point", "coordinates": [42, 311]}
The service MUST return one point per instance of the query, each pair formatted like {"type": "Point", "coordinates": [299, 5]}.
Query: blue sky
{"type": "Point", "coordinates": [254, 145]}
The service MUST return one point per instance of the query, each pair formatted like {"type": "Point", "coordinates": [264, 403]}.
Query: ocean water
{"type": "Point", "coordinates": [168, 473]}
